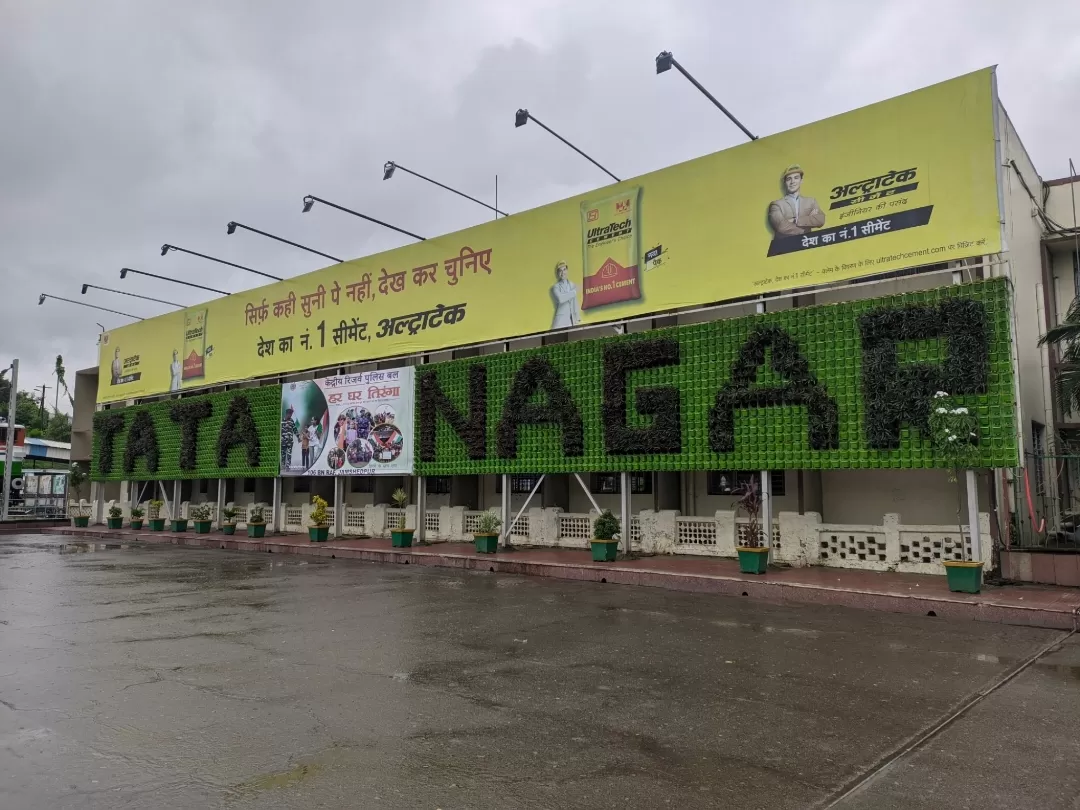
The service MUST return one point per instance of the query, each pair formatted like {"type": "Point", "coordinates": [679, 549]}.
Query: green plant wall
{"type": "Point", "coordinates": [829, 387]}
{"type": "Point", "coordinates": [146, 442]}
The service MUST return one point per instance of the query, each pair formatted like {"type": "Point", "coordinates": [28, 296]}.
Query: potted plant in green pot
{"type": "Point", "coordinates": [203, 518]}
{"type": "Point", "coordinates": [228, 525]}
{"type": "Point", "coordinates": [753, 553]}
{"type": "Point", "coordinates": [319, 530]}
{"type": "Point", "coordinates": [179, 524]}
{"type": "Point", "coordinates": [80, 517]}
{"type": "Point", "coordinates": [486, 535]}
{"type": "Point", "coordinates": [954, 433]}
{"type": "Point", "coordinates": [136, 517]}
{"type": "Point", "coordinates": [605, 539]}
{"type": "Point", "coordinates": [157, 522]}
{"type": "Point", "coordinates": [256, 523]}
{"type": "Point", "coordinates": [400, 537]}
{"type": "Point", "coordinates": [116, 517]}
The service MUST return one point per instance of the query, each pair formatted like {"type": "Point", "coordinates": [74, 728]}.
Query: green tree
{"type": "Point", "coordinates": [1066, 337]}
{"type": "Point", "coordinates": [59, 427]}
{"type": "Point", "coordinates": [61, 380]}
{"type": "Point", "coordinates": [27, 411]}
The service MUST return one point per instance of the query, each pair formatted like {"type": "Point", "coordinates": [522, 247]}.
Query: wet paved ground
{"type": "Point", "coordinates": [174, 678]}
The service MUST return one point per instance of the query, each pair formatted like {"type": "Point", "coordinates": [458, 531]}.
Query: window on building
{"type": "Point", "coordinates": [185, 490]}
{"type": "Point", "coordinates": [204, 486]}
{"type": "Point", "coordinates": [438, 484]}
{"type": "Point", "coordinates": [362, 483]}
{"type": "Point", "coordinates": [249, 485]}
{"type": "Point", "coordinates": [519, 484]}
{"type": "Point", "coordinates": [1038, 446]}
{"type": "Point", "coordinates": [302, 484]}
{"type": "Point", "coordinates": [611, 483]}
{"type": "Point", "coordinates": [729, 482]}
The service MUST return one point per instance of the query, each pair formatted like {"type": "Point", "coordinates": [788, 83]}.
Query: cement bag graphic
{"type": "Point", "coordinates": [611, 230]}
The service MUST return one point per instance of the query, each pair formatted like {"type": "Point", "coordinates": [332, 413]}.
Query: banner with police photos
{"type": "Point", "coordinates": [355, 424]}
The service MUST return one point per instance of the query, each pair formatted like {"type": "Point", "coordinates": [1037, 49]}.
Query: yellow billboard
{"type": "Point", "coordinates": [908, 181]}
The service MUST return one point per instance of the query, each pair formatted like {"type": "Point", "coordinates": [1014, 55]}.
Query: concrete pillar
{"type": "Point", "coordinates": [890, 522]}
{"type": "Point", "coordinates": [726, 529]}
{"type": "Point", "coordinates": [375, 520]}
{"type": "Point", "coordinates": [421, 508]}
{"type": "Point", "coordinates": [505, 511]}
{"type": "Point", "coordinates": [974, 526]}
{"type": "Point", "coordinates": [278, 521]}
{"type": "Point", "coordinates": [799, 539]}
{"type": "Point", "coordinates": [219, 517]}
{"type": "Point", "coordinates": [177, 508]}
{"type": "Point", "coordinates": [97, 498]}
{"type": "Point", "coordinates": [339, 506]}
{"type": "Point", "coordinates": [658, 531]}
{"type": "Point", "coordinates": [452, 524]}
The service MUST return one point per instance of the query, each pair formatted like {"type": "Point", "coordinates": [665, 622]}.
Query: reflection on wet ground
{"type": "Point", "coordinates": [164, 678]}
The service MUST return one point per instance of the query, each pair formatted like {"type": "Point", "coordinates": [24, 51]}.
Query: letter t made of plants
{"type": "Point", "coordinates": [188, 415]}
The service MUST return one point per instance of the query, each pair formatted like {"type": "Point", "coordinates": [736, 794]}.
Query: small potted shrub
{"type": "Point", "coordinates": [136, 517]}
{"type": "Point", "coordinates": [80, 517]}
{"type": "Point", "coordinates": [400, 537]}
{"type": "Point", "coordinates": [228, 526]}
{"type": "Point", "coordinates": [954, 433]}
{"type": "Point", "coordinates": [753, 553]}
{"type": "Point", "coordinates": [319, 529]}
{"type": "Point", "coordinates": [157, 522]}
{"type": "Point", "coordinates": [203, 518]}
{"type": "Point", "coordinates": [256, 523]}
{"type": "Point", "coordinates": [486, 535]}
{"type": "Point", "coordinates": [605, 539]}
{"type": "Point", "coordinates": [179, 524]}
{"type": "Point", "coordinates": [116, 517]}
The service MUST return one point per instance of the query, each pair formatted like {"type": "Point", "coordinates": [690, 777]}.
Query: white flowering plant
{"type": "Point", "coordinates": [954, 430]}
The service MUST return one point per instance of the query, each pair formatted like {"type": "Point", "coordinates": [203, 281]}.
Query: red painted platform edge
{"type": "Point", "coordinates": [1063, 614]}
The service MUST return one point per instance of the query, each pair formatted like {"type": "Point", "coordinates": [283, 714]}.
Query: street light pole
{"type": "Point", "coordinates": [167, 247]}
{"type": "Point", "coordinates": [523, 116]}
{"type": "Point", "coordinates": [86, 287]}
{"type": "Point", "coordinates": [9, 444]}
{"type": "Point", "coordinates": [125, 270]}
{"type": "Point", "coordinates": [665, 61]}
{"type": "Point", "coordinates": [41, 413]}
{"type": "Point", "coordinates": [309, 201]}
{"type": "Point", "coordinates": [390, 166]}
{"type": "Point", "coordinates": [231, 227]}
{"type": "Point", "coordinates": [43, 296]}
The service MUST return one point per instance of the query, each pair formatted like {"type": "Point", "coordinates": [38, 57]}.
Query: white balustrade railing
{"type": "Point", "coordinates": [796, 539]}
{"type": "Point", "coordinates": [472, 522]}
{"type": "Point", "coordinates": [355, 520]}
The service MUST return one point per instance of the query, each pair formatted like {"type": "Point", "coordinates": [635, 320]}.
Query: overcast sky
{"type": "Point", "coordinates": [129, 123]}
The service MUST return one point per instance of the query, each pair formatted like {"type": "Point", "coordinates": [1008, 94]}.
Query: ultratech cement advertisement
{"type": "Point", "coordinates": [357, 424]}
{"type": "Point", "coordinates": [905, 182]}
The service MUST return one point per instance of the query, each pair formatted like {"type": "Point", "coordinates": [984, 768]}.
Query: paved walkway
{"type": "Point", "coordinates": [1032, 605]}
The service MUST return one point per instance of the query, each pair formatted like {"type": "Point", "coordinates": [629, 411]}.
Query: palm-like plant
{"type": "Point", "coordinates": [1066, 337]}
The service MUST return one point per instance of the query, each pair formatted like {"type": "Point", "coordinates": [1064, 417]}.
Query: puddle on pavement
{"type": "Point", "coordinates": [275, 781]}
{"type": "Point", "coordinates": [84, 548]}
